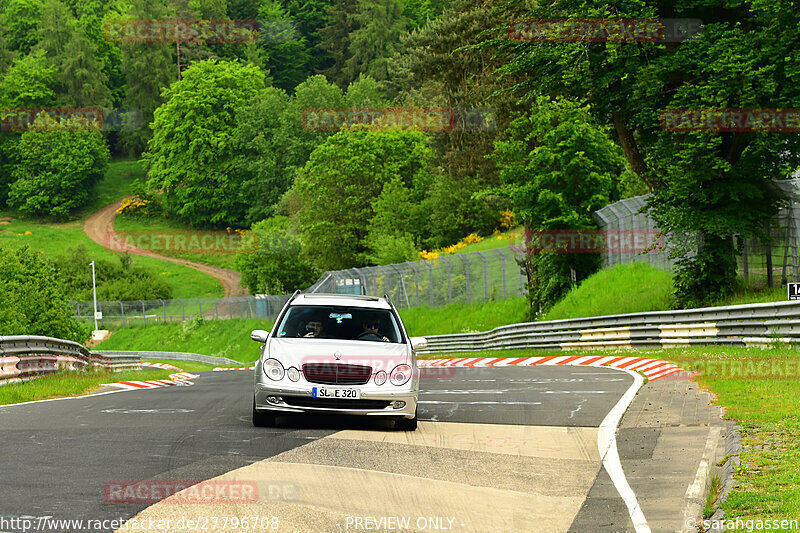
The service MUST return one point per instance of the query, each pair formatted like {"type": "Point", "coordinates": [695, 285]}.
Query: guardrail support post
{"type": "Point", "coordinates": [122, 312]}
{"type": "Point", "coordinates": [164, 306]}
{"type": "Point", "coordinates": [144, 314]}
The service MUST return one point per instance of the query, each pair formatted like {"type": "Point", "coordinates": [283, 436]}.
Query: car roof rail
{"type": "Point", "coordinates": [386, 295]}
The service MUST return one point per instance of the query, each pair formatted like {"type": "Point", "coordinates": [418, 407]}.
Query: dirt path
{"type": "Point", "coordinates": [100, 228]}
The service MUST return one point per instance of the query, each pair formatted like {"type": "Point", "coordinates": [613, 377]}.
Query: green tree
{"type": "Point", "coordinates": [31, 299]}
{"type": "Point", "coordinates": [190, 155]}
{"type": "Point", "coordinates": [56, 170]}
{"type": "Point", "coordinates": [78, 77]}
{"type": "Point", "coordinates": [377, 37]}
{"type": "Point", "coordinates": [284, 51]}
{"type": "Point", "coordinates": [29, 82]}
{"type": "Point", "coordinates": [19, 21]}
{"type": "Point", "coordinates": [335, 39]}
{"type": "Point", "coordinates": [334, 194]}
{"type": "Point", "coordinates": [709, 183]}
{"type": "Point", "coordinates": [276, 265]}
{"type": "Point", "coordinates": [558, 168]}
{"type": "Point", "coordinates": [148, 68]}
{"type": "Point", "coordinates": [260, 162]}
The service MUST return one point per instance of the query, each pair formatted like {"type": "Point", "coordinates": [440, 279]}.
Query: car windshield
{"type": "Point", "coordinates": [340, 322]}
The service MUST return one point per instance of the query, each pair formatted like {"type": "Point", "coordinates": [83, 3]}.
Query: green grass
{"type": "Point", "coordinates": [632, 288]}
{"type": "Point", "coordinates": [463, 318]}
{"type": "Point", "coordinates": [130, 224]}
{"type": "Point", "coordinates": [70, 384]}
{"type": "Point", "coordinates": [501, 240]}
{"type": "Point", "coordinates": [186, 366]}
{"type": "Point", "coordinates": [117, 183]}
{"type": "Point", "coordinates": [54, 239]}
{"type": "Point", "coordinates": [218, 338]}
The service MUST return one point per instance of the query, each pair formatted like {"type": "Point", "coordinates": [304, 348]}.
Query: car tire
{"type": "Point", "coordinates": [262, 420]}
{"type": "Point", "coordinates": [406, 424]}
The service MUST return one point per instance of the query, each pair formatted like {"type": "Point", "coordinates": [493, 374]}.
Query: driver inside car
{"type": "Point", "coordinates": [371, 327]}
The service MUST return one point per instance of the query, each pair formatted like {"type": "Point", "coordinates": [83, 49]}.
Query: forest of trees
{"type": "Point", "coordinates": [562, 128]}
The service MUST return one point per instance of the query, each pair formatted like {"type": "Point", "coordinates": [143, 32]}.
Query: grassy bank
{"type": "Point", "coordinates": [231, 338]}
{"type": "Point", "coordinates": [217, 338]}
{"type": "Point", "coordinates": [163, 227]}
{"type": "Point", "coordinates": [463, 318]}
{"type": "Point", "coordinates": [70, 384]}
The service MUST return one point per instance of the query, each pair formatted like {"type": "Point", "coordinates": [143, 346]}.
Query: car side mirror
{"type": "Point", "coordinates": [259, 335]}
{"type": "Point", "coordinates": [419, 343]}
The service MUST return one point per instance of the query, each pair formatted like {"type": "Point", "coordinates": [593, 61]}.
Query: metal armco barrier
{"type": "Point", "coordinates": [25, 356]}
{"type": "Point", "coordinates": [174, 356]}
{"type": "Point", "coordinates": [746, 325]}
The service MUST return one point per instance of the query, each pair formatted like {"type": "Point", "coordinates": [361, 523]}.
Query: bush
{"type": "Point", "coordinates": [32, 301]}
{"type": "Point", "coordinates": [275, 265]}
{"type": "Point", "coordinates": [115, 281]}
{"type": "Point", "coordinates": [56, 171]}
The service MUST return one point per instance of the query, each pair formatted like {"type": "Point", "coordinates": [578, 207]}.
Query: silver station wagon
{"type": "Point", "coordinates": [337, 353]}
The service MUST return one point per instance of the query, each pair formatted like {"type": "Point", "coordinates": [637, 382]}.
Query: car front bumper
{"type": "Point", "coordinates": [298, 399]}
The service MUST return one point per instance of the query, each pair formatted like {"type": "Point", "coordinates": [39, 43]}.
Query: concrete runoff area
{"type": "Point", "coordinates": [497, 449]}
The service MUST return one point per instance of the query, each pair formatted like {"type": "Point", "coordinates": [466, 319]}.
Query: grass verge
{"type": "Point", "coordinates": [158, 226]}
{"type": "Point", "coordinates": [217, 338]}
{"type": "Point", "coordinates": [186, 366]}
{"type": "Point", "coordinates": [463, 318]}
{"type": "Point", "coordinates": [760, 389]}
{"type": "Point", "coordinates": [67, 384]}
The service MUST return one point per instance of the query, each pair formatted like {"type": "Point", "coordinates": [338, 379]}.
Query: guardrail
{"type": "Point", "coordinates": [175, 356]}
{"type": "Point", "coordinates": [24, 357]}
{"type": "Point", "coordinates": [748, 325]}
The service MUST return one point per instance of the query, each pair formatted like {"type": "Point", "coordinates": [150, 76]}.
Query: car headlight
{"type": "Point", "coordinates": [380, 377]}
{"type": "Point", "coordinates": [274, 369]}
{"type": "Point", "coordinates": [400, 375]}
{"type": "Point", "coordinates": [293, 373]}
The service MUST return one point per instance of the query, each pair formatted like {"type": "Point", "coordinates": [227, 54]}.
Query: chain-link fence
{"type": "Point", "coordinates": [116, 314]}
{"type": "Point", "coordinates": [458, 278]}
{"type": "Point", "coordinates": [760, 263]}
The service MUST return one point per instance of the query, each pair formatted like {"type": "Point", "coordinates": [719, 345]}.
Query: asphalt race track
{"type": "Point", "coordinates": [498, 449]}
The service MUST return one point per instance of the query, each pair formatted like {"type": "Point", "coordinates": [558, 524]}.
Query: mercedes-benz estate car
{"type": "Point", "coordinates": [337, 353]}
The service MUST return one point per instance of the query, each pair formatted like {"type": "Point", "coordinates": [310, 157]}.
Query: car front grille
{"type": "Point", "coordinates": [336, 374]}
{"type": "Point", "coordinates": [335, 403]}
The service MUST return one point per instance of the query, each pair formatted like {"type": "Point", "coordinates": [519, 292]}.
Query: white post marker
{"type": "Point", "coordinates": [94, 292]}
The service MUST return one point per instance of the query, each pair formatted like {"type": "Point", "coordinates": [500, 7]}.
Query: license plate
{"type": "Point", "coordinates": [327, 392]}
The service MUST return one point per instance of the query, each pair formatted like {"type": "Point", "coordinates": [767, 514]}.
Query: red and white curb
{"type": "Point", "coordinates": [162, 366]}
{"type": "Point", "coordinates": [220, 368]}
{"type": "Point", "coordinates": [652, 369]}
{"type": "Point", "coordinates": [180, 378]}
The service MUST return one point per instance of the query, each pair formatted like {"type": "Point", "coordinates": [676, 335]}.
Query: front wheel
{"type": "Point", "coordinates": [262, 420]}
{"type": "Point", "coordinates": [406, 424]}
